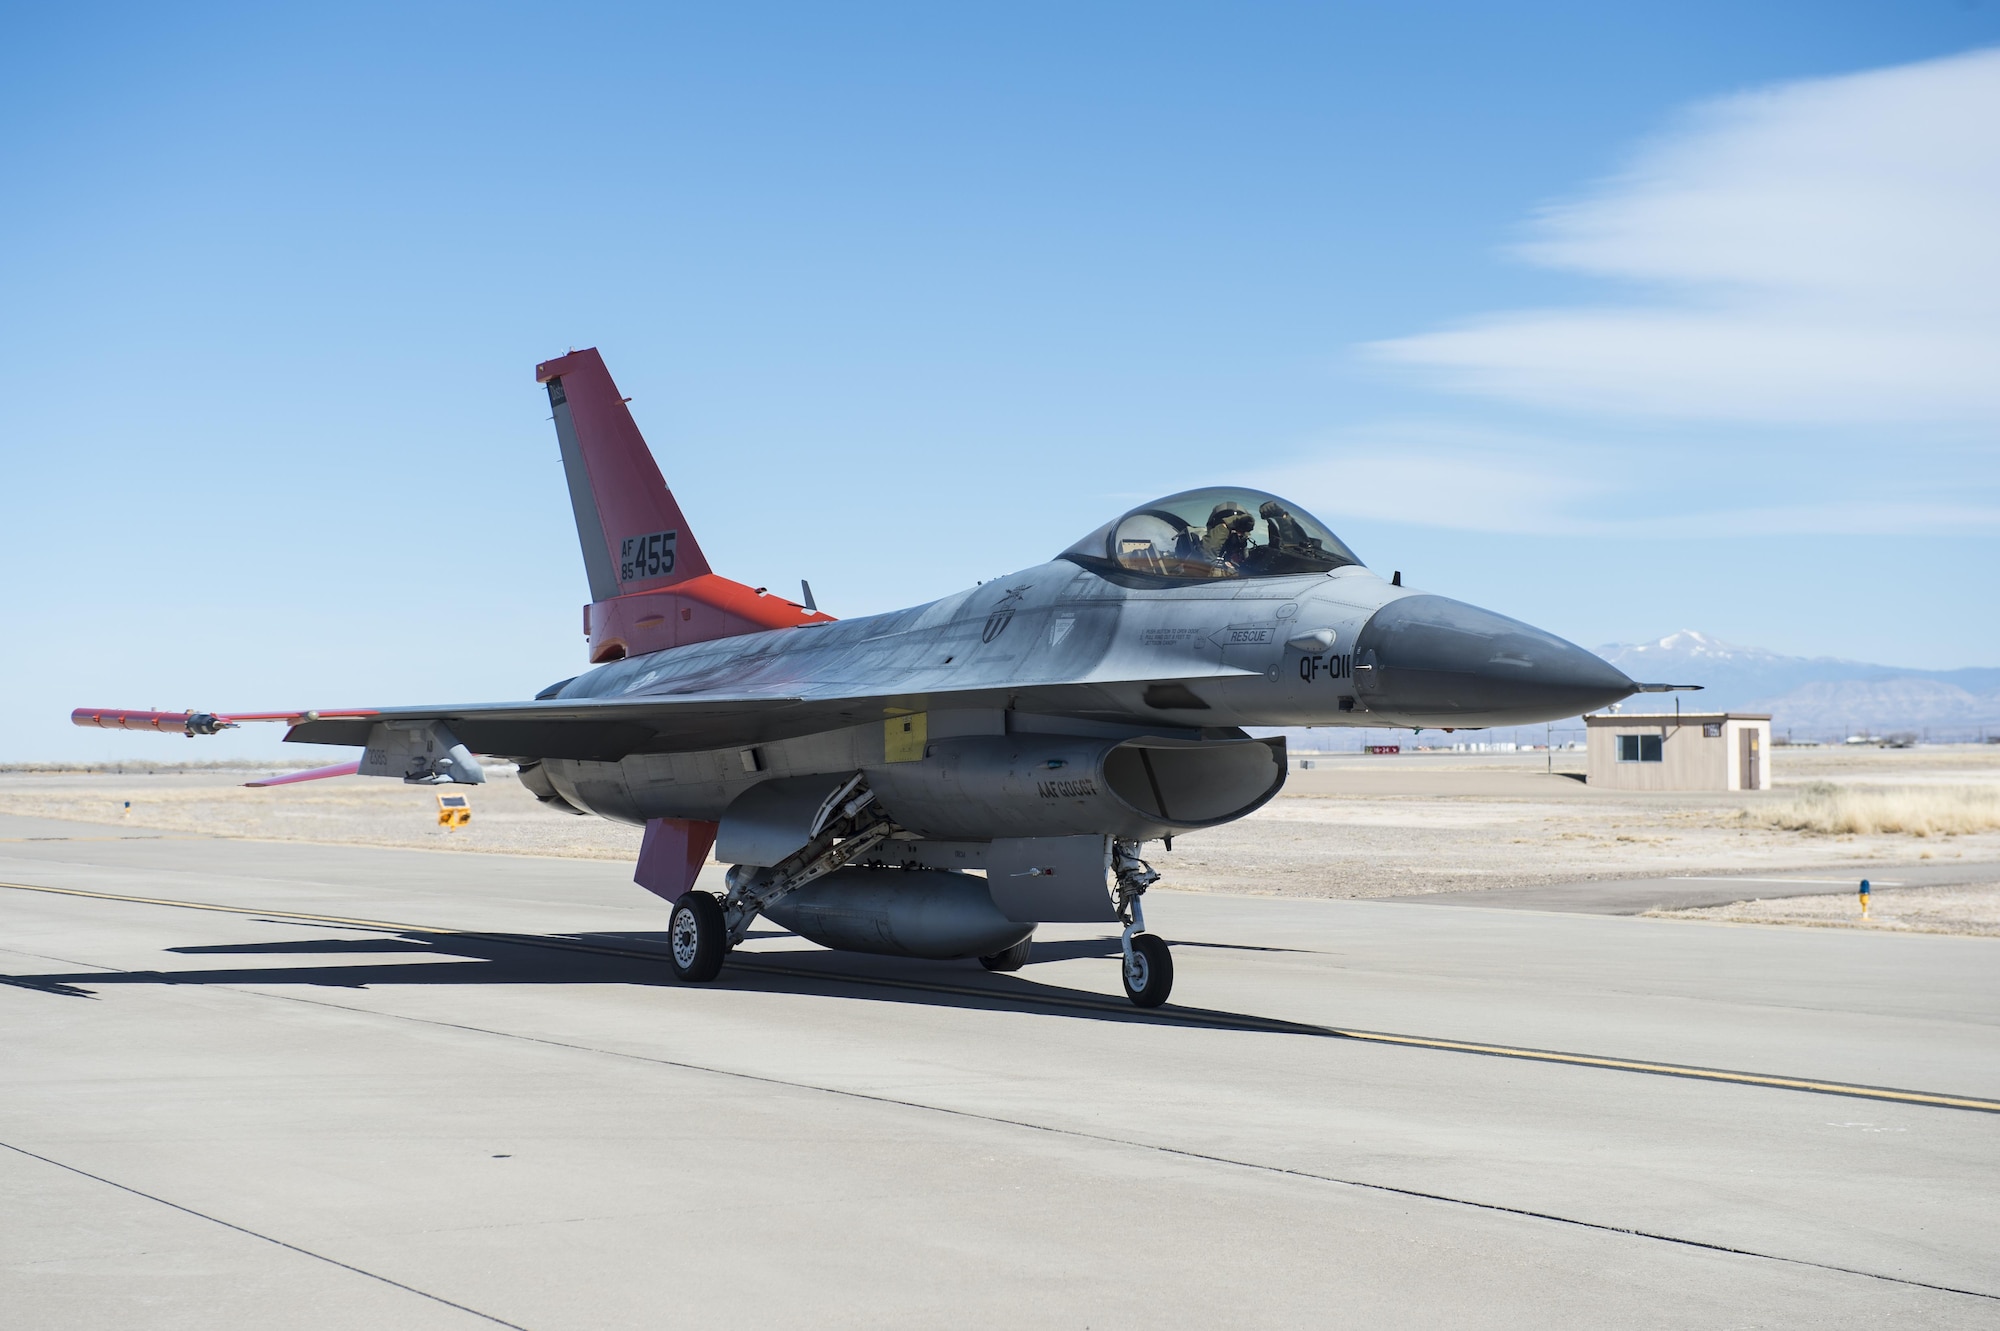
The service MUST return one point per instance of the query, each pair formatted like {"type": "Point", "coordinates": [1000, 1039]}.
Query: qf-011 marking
{"type": "Point", "coordinates": [649, 556]}
{"type": "Point", "coordinates": [1336, 665]}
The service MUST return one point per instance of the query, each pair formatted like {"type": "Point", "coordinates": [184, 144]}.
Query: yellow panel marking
{"type": "Point", "coordinates": [903, 738]}
{"type": "Point", "coordinates": [1191, 1016]}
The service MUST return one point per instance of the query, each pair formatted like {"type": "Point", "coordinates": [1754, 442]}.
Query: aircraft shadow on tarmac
{"type": "Point", "coordinates": [640, 959]}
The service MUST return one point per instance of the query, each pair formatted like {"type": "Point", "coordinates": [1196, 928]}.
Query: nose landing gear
{"type": "Point", "coordinates": [1148, 965]}
{"type": "Point", "coordinates": [1149, 970]}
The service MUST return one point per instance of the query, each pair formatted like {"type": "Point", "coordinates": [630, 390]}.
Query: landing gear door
{"type": "Point", "coordinates": [775, 818]}
{"type": "Point", "coordinates": [1052, 879]}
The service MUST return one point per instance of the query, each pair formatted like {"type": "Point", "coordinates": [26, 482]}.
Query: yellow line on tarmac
{"type": "Point", "coordinates": [1677, 1070]}
{"type": "Point", "coordinates": [1190, 1016]}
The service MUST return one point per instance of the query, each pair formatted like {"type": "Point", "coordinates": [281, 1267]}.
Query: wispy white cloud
{"type": "Point", "coordinates": [1855, 518]}
{"type": "Point", "coordinates": [1817, 252]}
{"type": "Point", "coordinates": [1440, 475]}
{"type": "Point", "coordinates": [1452, 476]}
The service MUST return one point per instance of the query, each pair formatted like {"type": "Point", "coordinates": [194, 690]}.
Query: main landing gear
{"type": "Point", "coordinates": [703, 930]}
{"type": "Point", "coordinates": [697, 938]}
{"type": "Point", "coordinates": [1149, 966]}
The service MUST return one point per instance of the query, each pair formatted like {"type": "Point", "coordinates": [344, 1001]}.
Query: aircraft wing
{"type": "Point", "coordinates": [596, 728]}
{"type": "Point", "coordinates": [607, 729]}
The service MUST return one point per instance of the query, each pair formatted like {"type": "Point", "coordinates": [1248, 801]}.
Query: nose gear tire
{"type": "Point", "coordinates": [696, 938]}
{"type": "Point", "coordinates": [1010, 959]}
{"type": "Point", "coordinates": [1149, 975]}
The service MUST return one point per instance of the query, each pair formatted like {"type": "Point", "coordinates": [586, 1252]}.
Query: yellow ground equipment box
{"type": "Point", "coordinates": [454, 811]}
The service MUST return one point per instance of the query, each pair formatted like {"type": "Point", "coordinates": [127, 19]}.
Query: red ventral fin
{"type": "Point", "coordinates": [634, 536]}
{"type": "Point", "coordinates": [671, 855]}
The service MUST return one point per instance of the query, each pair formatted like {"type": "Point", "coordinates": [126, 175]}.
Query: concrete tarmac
{"type": "Point", "coordinates": [469, 1094]}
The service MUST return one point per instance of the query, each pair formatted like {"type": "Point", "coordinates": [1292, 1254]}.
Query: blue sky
{"type": "Point", "coordinates": [1619, 319]}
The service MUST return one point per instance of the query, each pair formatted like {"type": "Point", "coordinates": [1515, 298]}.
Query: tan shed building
{"type": "Point", "coordinates": [1688, 751]}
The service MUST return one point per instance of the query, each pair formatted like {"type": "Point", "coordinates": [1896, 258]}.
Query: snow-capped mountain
{"type": "Point", "coordinates": [1812, 696]}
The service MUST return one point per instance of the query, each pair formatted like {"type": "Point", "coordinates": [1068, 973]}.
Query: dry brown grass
{"type": "Point", "coordinates": [1920, 811]}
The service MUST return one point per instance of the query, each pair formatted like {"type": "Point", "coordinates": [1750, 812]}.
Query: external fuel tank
{"type": "Point", "coordinates": [932, 913]}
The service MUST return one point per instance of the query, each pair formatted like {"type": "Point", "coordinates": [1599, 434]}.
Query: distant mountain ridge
{"type": "Point", "coordinates": [1815, 697]}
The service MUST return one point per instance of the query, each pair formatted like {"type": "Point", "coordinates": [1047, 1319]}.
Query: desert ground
{"type": "Point", "coordinates": [1351, 825]}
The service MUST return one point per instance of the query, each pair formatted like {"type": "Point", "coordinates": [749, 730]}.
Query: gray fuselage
{"type": "Point", "coordinates": [1069, 655]}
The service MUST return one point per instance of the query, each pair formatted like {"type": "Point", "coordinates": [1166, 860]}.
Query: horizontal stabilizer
{"type": "Point", "coordinates": [316, 774]}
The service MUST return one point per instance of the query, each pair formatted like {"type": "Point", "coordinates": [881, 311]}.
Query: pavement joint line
{"type": "Point", "coordinates": [1184, 1016]}
{"type": "Point", "coordinates": [1181, 1152]}
{"type": "Point", "coordinates": [240, 1229]}
{"type": "Point", "coordinates": [1799, 882]}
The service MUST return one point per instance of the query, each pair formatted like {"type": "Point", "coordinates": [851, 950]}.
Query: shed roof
{"type": "Point", "coordinates": [1668, 718]}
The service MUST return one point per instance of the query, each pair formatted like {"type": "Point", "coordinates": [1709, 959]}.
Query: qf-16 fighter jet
{"type": "Point", "coordinates": [938, 781]}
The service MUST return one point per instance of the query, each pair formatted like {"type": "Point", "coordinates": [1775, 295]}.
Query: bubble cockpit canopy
{"type": "Point", "coordinates": [1203, 535]}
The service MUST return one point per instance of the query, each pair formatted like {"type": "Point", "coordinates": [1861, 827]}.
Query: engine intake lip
{"type": "Point", "coordinates": [1192, 784]}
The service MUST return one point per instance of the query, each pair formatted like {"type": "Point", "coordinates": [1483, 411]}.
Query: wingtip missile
{"type": "Point", "coordinates": [188, 723]}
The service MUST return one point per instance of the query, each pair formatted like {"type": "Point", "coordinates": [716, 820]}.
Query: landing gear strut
{"type": "Point", "coordinates": [1148, 965]}
{"type": "Point", "coordinates": [704, 929]}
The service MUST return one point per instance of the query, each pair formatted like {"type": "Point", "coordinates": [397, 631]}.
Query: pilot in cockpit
{"type": "Point", "coordinates": [1199, 535]}
{"type": "Point", "coordinates": [1228, 540]}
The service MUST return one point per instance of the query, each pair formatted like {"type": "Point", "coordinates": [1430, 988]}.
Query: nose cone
{"type": "Point", "coordinates": [1427, 660]}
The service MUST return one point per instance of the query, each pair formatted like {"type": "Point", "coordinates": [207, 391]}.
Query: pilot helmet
{"type": "Point", "coordinates": [1228, 511]}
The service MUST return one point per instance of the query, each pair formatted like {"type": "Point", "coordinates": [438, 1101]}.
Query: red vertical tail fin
{"type": "Point", "coordinates": [650, 585]}
{"type": "Point", "coordinates": [634, 536]}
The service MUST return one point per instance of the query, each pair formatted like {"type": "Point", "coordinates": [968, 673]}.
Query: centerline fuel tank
{"type": "Point", "coordinates": [1031, 785]}
{"type": "Point", "coordinates": [931, 913]}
